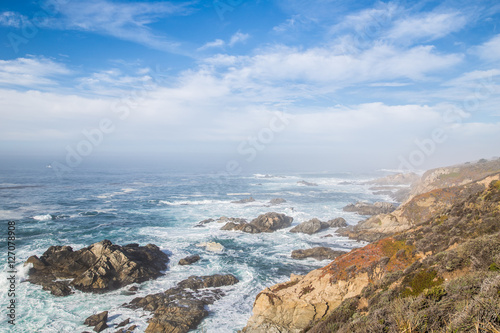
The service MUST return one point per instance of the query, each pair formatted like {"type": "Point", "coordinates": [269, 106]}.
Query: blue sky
{"type": "Point", "coordinates": [368, 84]}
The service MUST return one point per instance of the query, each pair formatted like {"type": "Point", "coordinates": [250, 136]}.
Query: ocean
{"type": "Point", "coordinates": [159, 207]}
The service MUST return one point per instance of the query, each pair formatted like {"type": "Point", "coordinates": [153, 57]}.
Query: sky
{"type": "Point", "coordinates": [245, 86]}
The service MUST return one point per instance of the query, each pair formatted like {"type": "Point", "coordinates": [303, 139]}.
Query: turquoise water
{"type": "Point", "coordinates": [141, 206]}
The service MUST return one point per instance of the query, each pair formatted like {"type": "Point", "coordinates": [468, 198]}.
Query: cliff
{"type": "Point", "coordinates": [441, 269]}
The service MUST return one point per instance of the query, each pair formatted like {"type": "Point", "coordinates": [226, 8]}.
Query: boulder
{"type": "Point", "coordinates": [364, 208]}
{"type": "Point", "coordinates": [242, 201]}
{"type": "Point", "coordinates": [100, 267]}
{"type": "Point", "coordinates": [202, 223]}
{"type": "Point", "coordinates": [189, 260]}
{"type": "Point", "coordinates": [310, 227]}
{"type": "Point", "coordinates": [339, 222]}
{"type": "Point", "coordinates": [98, 321]}
{"type": "Point", "coordinates": [211, 246]}
{"type": "Point", "coordinates": [182, 308]}
{"type": "Point", "coordinates": [318, 253]}
{"type": "Point", "coordinates": [270, 222]}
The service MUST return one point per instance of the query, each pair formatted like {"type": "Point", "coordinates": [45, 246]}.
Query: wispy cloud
{"type": "Point", "coordinates": [238, 37]}
{"type": "Point", "coordinates": [428, 27]}
{"type": "Point", "coordinates": [11, 19]}
{"type": "Point", "coordinates": [489, 51]}
{"type": "Point", "coordinates": [31, 72]}
{"type": "Point", "coordinates": [127, 20]}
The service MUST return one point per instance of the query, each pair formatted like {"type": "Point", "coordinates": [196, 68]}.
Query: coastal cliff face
{"type": "Point", "coordinates": [416, 210]}
{"type": "Point", "coordinates": [440, 269]}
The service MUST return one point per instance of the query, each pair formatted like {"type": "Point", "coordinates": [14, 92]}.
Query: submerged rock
{"type": "Point", "coordinates": [225, 219]}
{"type": "Point", "coordinates": [318, 253]}
{"type": "Point", "coordinates": [100, 267]}
{"type": "Point", "coordinates": [183, 307]}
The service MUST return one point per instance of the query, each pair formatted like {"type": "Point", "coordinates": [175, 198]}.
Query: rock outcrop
{"type": "Point", "coordinates": [339, 222]}
{"type": "Point", "coordinates": [414, 212]}
{"type": "Point", "coordinates": [183, 307]}
{"type": "Point", "coordinates": [98, 321]}
{"type": "Point", "coordinates": [306, 183]}
{"type": "Point", "coordinates": [211, 246]}
{"type": "Point", "coordinates": [189, 260]}
{"type": "Point", "coordinates": [242, 201]}
{"type": "Point", "coordinates": [364, 208]}
{"type": "Point", "coordinates": [268, 222]}
{"type": "Point", "coordinates": [318, 253]}
{"type": "Point", "coordinates": [100, 267]}
{"type": "Point", "coordinates": [310, 227]}
{"type": "Point", "coordinates": [276, 201]}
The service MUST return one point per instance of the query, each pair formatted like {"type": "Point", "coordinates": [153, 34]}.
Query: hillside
{"type": "Point", "coordinates": [439, 274]}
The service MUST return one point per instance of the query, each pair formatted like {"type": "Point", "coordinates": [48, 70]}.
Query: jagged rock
{"type": "Point", "coordinates": [364, 208]}
{"type": "Point", "coordinates": [202, 223]}
{"type": "Point", "coordinates": [310, 227]}
{"type": "Point", "coordinates": [245, 227]}
{"type": "Point", "coordinates": [318, 253]}
{"type": "Point", "coordinates": [98, 321]}
{"type": "Point", "coordinates": [124, 323]}
{"type": "Point", "coordinates": [189, 260]}
{"type": "Point", "coordinates": [276, 201]}
{"type": "Point", "coordinates": [246, 200]}
{"type": "Point", "coordinates": [339, 222]}
{"type": "Point", "coordinates": [268, 222]}
{"type": "Point", "coordinates": [211, 246]}
{"type": "Point", "coordinates": [100, 267]}
{"type": "Point", "coordinates": [303, 182]}
{"type": "Point", "coordinates": [182, 308]}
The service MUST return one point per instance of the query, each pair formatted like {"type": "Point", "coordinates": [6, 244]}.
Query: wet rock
{"type": "Point", "coordinates": [318, 253]}
{"type": "Point", "coordinates": [225, 219]}
{"type": "Point", "coordinates": [202, 223]}
{"type": "Point", "coordinates": [242, 201]}
{"type": "Point", "coordinates": [183, 307]}
{"type": "Point", "coordinates": [303, 182]}
{"type": "Point", "coordinates": [98, 321]}
{"type": "Point", "coordinates": [339, 222]}
{"type": "Point", "coordinates": [124, 323]}
{"type": "Point", "coordinates": [100, 267]}
{"type": "Point", "coordinates": [211, 246]}
{"type": "Point", "coordinates": [310, 227]}
{"type": "Point", "coordinates": [189, 260]}
{"type": "Point", "coordinates": [268, 222]}
{"type": "Point", "coordinates": [276, 201]}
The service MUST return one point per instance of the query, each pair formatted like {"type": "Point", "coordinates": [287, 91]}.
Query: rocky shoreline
{"type": "Point", "coordinates": [434, 263]}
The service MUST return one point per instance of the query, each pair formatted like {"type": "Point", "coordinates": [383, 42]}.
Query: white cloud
{"type": "Point", "coordinates": [31, 72]}
{"type": "Point", "coordinates": [489, 51]}
{"type": "Point", "coordinates": [428, 27]}
{"type": "Point", "coordinates": [11, 19]}
{"type": "Point", "coordinates": [216, 43]}
{"type": "Point", "coordinates": [238, 38]}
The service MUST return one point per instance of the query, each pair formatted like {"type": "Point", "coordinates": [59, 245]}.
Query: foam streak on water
{"type": "Point", "coordinates": [161, 208]}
